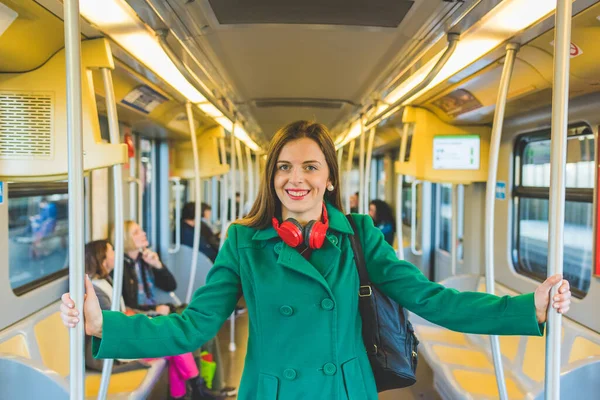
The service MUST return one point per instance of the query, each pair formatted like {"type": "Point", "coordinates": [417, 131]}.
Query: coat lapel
{"type": "Point", "coordinates": [327, 257]}
{"type": "Point", "coordinates": [293, 260]}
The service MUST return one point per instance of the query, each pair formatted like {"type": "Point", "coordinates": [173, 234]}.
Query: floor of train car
{"type": "Point", "coordinates": [233, 365]}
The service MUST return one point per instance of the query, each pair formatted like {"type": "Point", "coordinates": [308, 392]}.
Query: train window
{"type": "Point", "coordinates": [38, 234]}
{"type": "Point", "coordinates": [531, 199]}
{"type": "Point", "coordinates": [445, 215]}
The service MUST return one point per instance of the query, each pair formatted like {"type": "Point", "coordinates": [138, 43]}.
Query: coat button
{"type": "Point", "coordinates": [286, 310]}
{"type": "Point", "coordinates": [329, 369]}
{"type": "Point", "coordinates": [289, 374]}
{"type": "Point", "coordinates": [333, 240]}
{"type": "Point", "coordinates": [278, 247]}
{"type": "Point", "coordinates": [327, 304]}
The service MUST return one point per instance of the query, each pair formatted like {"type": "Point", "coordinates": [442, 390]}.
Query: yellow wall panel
{"type": "Point", "coordinates": [53, 341]}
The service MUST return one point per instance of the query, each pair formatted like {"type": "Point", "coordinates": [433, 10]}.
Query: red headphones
{"type": "Point", "coordinates": [312, 235]}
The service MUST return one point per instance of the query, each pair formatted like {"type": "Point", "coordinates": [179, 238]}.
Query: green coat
{"type": "Point", "coordinates": [305, 329]}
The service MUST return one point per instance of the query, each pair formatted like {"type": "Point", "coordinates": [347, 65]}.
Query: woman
{"type": "Point", "coordinates": [383, 218]}
{"type": "Point", "coordinates": [305, 336]}
{"type": "Point", "coordinates": [143, 271]}
{"type": "Point", "coordinates": [99, 263]}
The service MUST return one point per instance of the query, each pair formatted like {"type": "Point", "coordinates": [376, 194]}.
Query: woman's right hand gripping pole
{"type": "Point", "coordinates": [91, 310]}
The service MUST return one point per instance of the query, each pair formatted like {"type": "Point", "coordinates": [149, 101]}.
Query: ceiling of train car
{"type": "Point", "coordinates": [302, 60]}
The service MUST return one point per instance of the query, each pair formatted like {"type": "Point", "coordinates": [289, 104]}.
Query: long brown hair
{"type": "Point", "coordinates": [95, 254]}
{"type": "Point", "coordinates": [267, 203]}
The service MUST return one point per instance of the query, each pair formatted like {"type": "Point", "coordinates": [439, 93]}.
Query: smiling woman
{"type": "Point", "coordinates": [305, 291]}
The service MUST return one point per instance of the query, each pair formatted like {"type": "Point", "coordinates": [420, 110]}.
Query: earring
{"type": "Point", "coordinates": [330, 187]}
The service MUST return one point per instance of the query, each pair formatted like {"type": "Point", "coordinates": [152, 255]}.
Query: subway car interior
{"type": "Point", "coordinates": [474, 121]}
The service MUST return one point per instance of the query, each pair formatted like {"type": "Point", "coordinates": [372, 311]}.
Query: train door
{"type": "Point", "coordinates": [417, 223]}
{"type": "Point", "coordinates": [449, 230]}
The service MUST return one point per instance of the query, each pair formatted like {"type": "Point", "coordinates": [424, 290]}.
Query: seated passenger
{"type": "Point", "coordinates": [209, 242]}
{"type": "Point", "coordinates": [383, 218]}
{"type": "Point", "coordinates": [142, 271]}
{"type": "Point", "coordinates": [99, 263]}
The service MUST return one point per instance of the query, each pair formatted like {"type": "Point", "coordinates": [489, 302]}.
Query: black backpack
{"type": "Point", "coordinates": [387, 333]}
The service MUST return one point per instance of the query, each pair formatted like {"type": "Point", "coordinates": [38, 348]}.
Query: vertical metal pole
{"type": "Point", "coordinates": [133, 194]}
{"type": "Point", "coordinates": [223, 193]}
{"type": "Point", "coordinates": [399, 192]}
{"type": "Point", "coordinates": [511, 50]}
{"type": "Point", "coordinates": [214, 200]}
{"type": "Point", "coordinates": [75, 187]}
{"type": "Point", "coordinates": [138, 199]}
{"type": "Point", "coordinates": [198, 200]}
{"type": "Point", "coordinates": [152, 180]}
{"type": "Point", "coordinates": [413, 219]}
{"type": "Point", "coordinates": [348, 171]}
{"type": "Point", "coordinates": [361, 168]}
{"type": "Point", "coordinates": [232, 346]}
{"type": "Point", "coordinates": [251, 189]}
{"type": "Point", "coordinates": [340, 157]}
{"type": "Point", "coordinates": [233, 172]}
{"type": "Point", "coordinates": [558, 159]}
{"type": "Point", "coordinates": [454, 230]}
{"type": "Point", "coordinates": [115, 138]}
{"type": "Point", "coordinates": [238, 150]}
{"type": "Point", "coordinates": [177, 186]}
{"type": "Point", "coordinates": [367, 186]}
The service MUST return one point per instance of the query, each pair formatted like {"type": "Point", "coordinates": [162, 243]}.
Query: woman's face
{"type": "Point", "coordinates": [301, 178]}
{"type": "Point", "coordinates": [372, 211]}
{"type": "Point", "coordinates": [109, 262]}
{"type": "Point", "coordinates": [207, 214]}
{"type": "Point", "coordinates": [138, 236]}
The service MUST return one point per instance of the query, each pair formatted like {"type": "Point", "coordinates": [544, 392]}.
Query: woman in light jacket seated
{"type": "Point", "coordinates": [143, 271]}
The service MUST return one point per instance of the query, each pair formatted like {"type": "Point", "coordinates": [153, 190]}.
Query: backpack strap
{"type": "Point", "coordinates": [365, 292]}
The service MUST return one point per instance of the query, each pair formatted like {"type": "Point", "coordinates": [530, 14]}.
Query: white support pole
{"type": "Point", "coordinates": [233, 173]}
{"type": "Point", "coordinates": [511, 50]}
{"type": "Point", "coordinates": [197, 201]}
{"type": "Point", "coordinates": [224, 193]}
{"type": "Point", "coordinates": [76, 196]}
{"type": "Point", "coordinates": [348, 171]}
{"type": "Point", "coordinates": [361, 168]}
{"type": "Point", "coordinates": [178, 188]}
{"type": "Point", "coordinates": [250, 168]}
{"type": "Point", "coordinates": [238, 150]}
{"type": "Point", "coordinates": [558, 161]}
{"type": "Point", "coordinates": [119, 241]}
{"type": "Point", "coordinates": [367, 198]}
{"type": "Point", "coordinates": [399, 192]}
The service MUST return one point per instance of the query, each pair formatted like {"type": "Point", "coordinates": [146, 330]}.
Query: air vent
{"type": "Point", "coordinates": [380, 13]}
{"type": "Point", "coordinates": [26, 125]}
{"type": "Point", "coordinates": [316, 103]}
